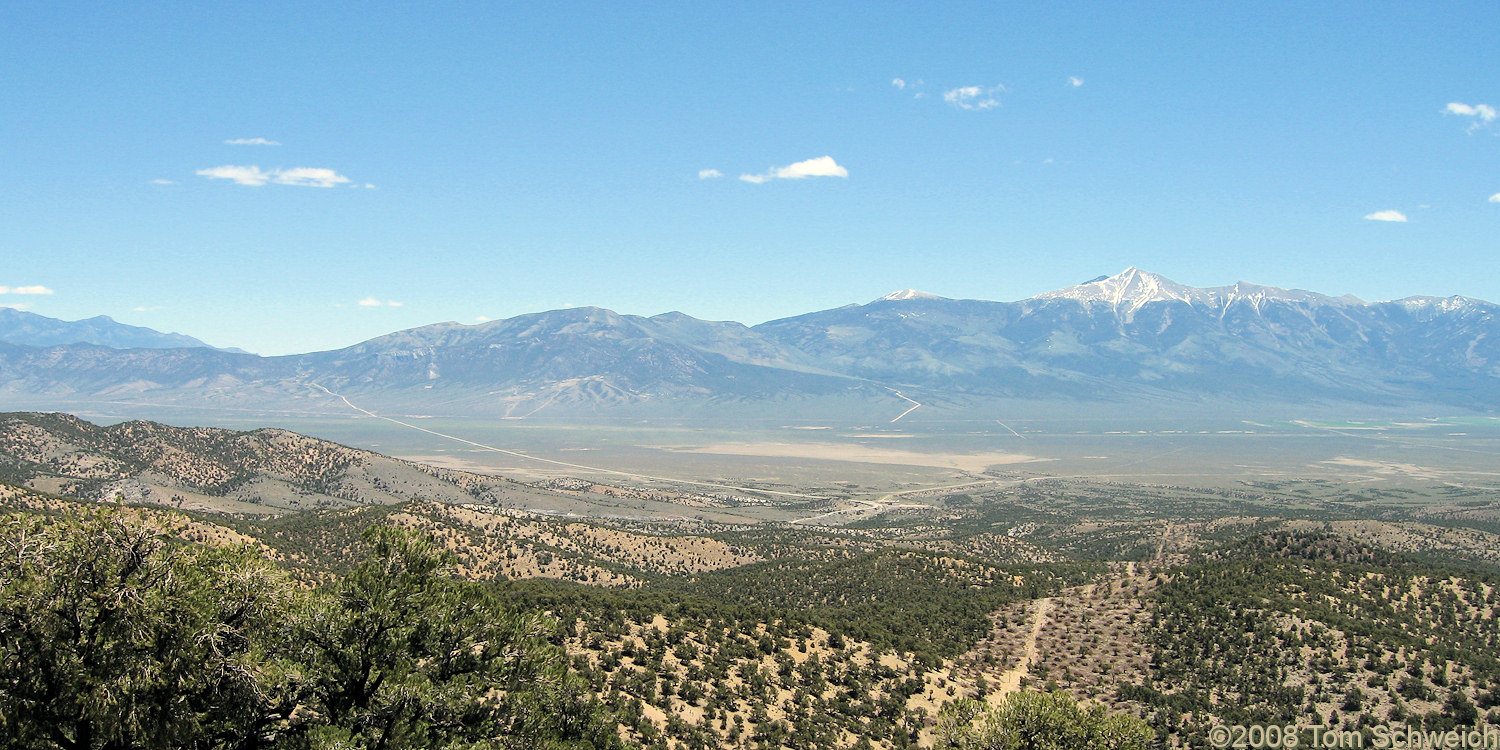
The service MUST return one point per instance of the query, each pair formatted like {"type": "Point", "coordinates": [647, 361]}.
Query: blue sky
{"type": "Point", "coordinates": [471, 160]}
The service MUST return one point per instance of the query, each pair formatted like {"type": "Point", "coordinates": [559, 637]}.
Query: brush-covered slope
{"type": "Point", "coordinates": [213, 469]}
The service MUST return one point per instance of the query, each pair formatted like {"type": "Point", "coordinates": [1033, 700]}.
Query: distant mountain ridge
{"type": "Point", "coordinates": [30, 329]}
{"type": "Point", "coordinates": [1131, 337]}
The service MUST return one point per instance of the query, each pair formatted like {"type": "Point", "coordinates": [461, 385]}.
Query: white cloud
{"type": "Point", "coordinates": [482, 318]}
{"type": "Point", "coordinates": [255, 176]}
{"type": "Point", "coordinates": [823, 166]}
{"type": "Point", "coordinates": [1495, 198]}
{"type": "Point", "coordinates": [898, 83]}
{"type": "Point", "coordinates": [1386, 216]}
{"type": "Point", "coordinates": [1483, 114]}
{"type": "Point", "coordinates": [973, 97]}
{"type": "Point", "coordinates": [146, 308]}
{"type": "Point", "coordinates": [35, 289]}
{"type": "Point", "coordinates": [709, 174]}
{"type": "Point", "coordinates": [1483, 111]}
{"type": "Point", "coordinates": [160, 181]}
{"type": "Point", "coordinates": [15, 306]}
{"type": "Point", "coordinates": [251, 142]}
{"type": "Point", "coordinates": [1075, 81]}
{"type": "Point", "coordinates": [373, 302]}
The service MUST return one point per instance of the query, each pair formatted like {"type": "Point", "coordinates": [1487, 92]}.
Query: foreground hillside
{"type": "Point", "coordinates": [1184, 607]}
{"type": "Point", "coordinates": [842, 646]}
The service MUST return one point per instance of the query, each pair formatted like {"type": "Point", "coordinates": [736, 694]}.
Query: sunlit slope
{"type": "Point", "coordinates": [265, 470]}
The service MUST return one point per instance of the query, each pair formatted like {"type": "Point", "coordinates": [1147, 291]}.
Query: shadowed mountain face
{"type": "Point", "coordinates": [1126, 337]}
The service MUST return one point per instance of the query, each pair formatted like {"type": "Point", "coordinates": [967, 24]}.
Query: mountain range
{"type": "Point", "coordinates": [1131, 338]}
{"type": "Point", "coordinates": [21, 327]}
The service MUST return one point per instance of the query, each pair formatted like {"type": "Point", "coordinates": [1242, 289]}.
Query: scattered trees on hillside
{"type": "Point", "coordinates": [112, 636]}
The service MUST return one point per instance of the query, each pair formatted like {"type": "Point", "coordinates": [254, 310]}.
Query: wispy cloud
{"type": "Point", "coordinates": [1482, 114]}
{"type": "Point", "coordinates": [308, 177]}
{"type": "Point", "coordinates": [1483, 111]}
{"type": "Point", "coordinates": [255, 176]}
{"type": "Point", "coordinates": [15, 306]}
{"type": "Point", "coordinates": [241, 175]}
{"type": "Point", "coordinates": [1495, 198]}
{"type": "Point", "coordinates": [911, 86]}
{"type": "Point", "coordinates": [160, 181]}
{"type": "Point", "coordinates": [482, 318]}
{"type": "Point", "coordinates": [373, 302]}
{"type": "Point", "coordinates": [34, 289]}
{"type": "Point", "coordinates": [251, 142]}
{"type": "Point", "coordinates": [1075, 81]}
{"type": "Point", "coordinates": [1386, 216]}
{"type": "Point", "coordinates": [147, 308]}
{"type": "Point", "coordinates": [709, 174]}
{"type": "Point", "coordinates": [973, 97]}
{"type": "Point", "coordinates": [823, 166]}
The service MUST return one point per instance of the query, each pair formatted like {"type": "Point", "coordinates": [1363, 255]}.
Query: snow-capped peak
{"type": "Point", "coordinates": [1130, 288]}
{"type": "Point", "coordinates": [1133, 288]}
{"type": "Point", "coordinates": [905, 294]}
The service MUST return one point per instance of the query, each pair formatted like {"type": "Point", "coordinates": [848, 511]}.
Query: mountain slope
{"type": "Point", "coordinates": [265, 470]}
{"type": "Point", "coordinates": [581, 357]}
{"type": "Point", "coordinates": [20, 327]}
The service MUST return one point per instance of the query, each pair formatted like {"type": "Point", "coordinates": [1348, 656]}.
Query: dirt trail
{"type": "Point", "coordinates": [914, 405]}
{"type": "Point", "coordinates": [1010, 682]}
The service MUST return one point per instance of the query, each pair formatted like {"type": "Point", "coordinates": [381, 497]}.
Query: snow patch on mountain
{"type": "Point", "coordinates": [906, 294]}
{"type": "Point", "coordinates": [1443, 304]}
